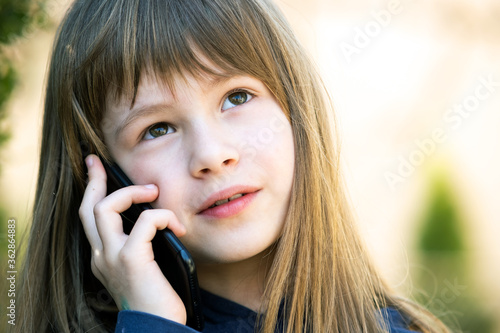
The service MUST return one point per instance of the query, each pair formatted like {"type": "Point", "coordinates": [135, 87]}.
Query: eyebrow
{"type": "Point", "coordinates": [139, 113]}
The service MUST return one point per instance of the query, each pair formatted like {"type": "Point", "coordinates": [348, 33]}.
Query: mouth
{"type": "Point", "coordinates": [223, 201]}
{"type": "Point", "coordinates": [228, 201]}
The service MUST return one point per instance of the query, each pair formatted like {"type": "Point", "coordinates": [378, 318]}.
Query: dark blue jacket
{"type": "Point", "coordinates": [221, 316]}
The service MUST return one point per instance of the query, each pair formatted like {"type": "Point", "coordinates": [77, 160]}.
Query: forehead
{"type": "Point", "coordinates": [151, 82]}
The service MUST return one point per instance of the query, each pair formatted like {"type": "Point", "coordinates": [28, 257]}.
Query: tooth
{"type": "Point", "coordinates": [220, 202]}
{"type": "Point", "coordinates": [236, 196]}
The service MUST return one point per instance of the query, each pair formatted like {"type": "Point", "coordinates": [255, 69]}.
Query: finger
{"type": "Point", "coordinates": [149, 222]}
{"type": "Point", "coordinates": [107, 212]}
{"type": "Point", "coordinates": [94, 192]}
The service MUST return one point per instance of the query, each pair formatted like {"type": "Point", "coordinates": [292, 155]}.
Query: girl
{"type": "Point", "coordinates": [214, 109]}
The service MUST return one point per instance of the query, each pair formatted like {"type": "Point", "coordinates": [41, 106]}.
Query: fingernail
{"type": "Point", "coordinates": [89, 161]}
{"type": "Point", "coordinates": [151, 186]}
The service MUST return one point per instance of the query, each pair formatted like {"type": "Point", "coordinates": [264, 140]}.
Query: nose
{"type": "Point", "coordinates": [213, 151]}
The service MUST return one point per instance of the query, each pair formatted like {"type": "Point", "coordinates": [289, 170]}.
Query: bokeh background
{"type": "Point", "coordinates": [416, 89]}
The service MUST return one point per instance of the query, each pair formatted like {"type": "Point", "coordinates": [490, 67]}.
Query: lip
{"type": "Point", "coordinates": [229, 208]}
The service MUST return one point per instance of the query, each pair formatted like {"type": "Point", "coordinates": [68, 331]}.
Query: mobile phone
{"type": "Point", "coordinates": [172, 257]}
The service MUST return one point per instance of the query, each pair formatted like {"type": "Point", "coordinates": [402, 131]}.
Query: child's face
{"type": "Point", "coordinates": [210, 141]}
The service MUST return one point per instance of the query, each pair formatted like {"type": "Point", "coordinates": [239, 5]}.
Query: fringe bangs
{"type": "Point", "coordinates": [167, 39]}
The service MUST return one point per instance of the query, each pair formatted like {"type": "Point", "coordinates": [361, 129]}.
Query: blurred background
{"type": "Point", "coordinates": [416, 89]}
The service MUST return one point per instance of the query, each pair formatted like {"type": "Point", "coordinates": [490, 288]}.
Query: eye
{"type": "Point", "coordinates": [236, 98]}
{"type": "Point", "coordinates": [158, 130]}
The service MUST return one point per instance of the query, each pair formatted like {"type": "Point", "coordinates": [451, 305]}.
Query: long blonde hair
{"type": "Point", "coordinates": [320, 273]}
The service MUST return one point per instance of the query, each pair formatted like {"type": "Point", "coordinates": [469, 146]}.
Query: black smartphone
{"type": "Point", "coordinates": [172, 257]}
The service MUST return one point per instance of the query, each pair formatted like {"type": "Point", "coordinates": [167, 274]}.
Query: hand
{"type": "Point", "coordinates": [124, 263]}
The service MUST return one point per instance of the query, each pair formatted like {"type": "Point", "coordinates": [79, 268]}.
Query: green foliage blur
{"type": "Point", "coordinates": [445, 281]}
{"type": "Point", "coordinates": [8, 81]}
{"type": "Point", "coordinates": [18, 19]}
{"type": "Point", "coordinates": [442, 231]}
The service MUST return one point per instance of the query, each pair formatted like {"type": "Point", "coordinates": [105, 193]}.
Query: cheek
{"type": "Point", "coordinates": [269, 137]}
{"type": "Point", "coordinates": [167, 174]}
{"type": "Point", "coordinates": [173, 195]}
{"type": "Point", "coordinates": [278, 144]}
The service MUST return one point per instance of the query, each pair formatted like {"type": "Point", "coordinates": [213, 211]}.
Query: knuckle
{"type": "Point", "coordinates": [147, 215]}
{"type": "Point", "coordinates": [100, 208]}
{"type": "Point", "coordinates": [169, 215]}
{"type": "Point", "coordinates": [157, 217]}
{"type": "Point", "coordinates": [96, 270]}
{"type": "Point", "coordinates": [81, 211]}
{"type": "Point", "coordinates": [126, 256]}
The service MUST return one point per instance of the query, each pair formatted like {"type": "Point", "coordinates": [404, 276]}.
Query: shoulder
{"type": "Point", "coordinates": [396, 322]}
{"type": "Point", "coordinates": [135, 321]}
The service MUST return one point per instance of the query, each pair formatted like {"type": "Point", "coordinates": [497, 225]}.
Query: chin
{"type": "Point", "coordinates": [230, 255]}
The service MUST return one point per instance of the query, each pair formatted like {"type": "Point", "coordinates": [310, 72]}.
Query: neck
{"type": "Point", "coordinates": [242, 282]}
